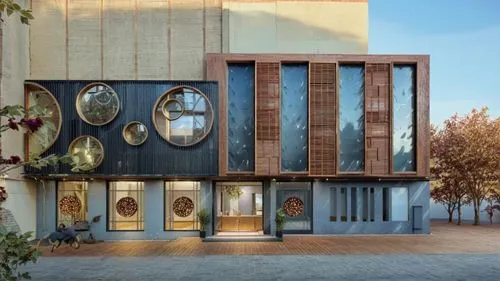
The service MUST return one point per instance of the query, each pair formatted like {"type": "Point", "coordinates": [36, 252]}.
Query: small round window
{"type": "Point", "coordinates": [183, 116]}
{"type": "Point", "coordinates": [97, 104]}
{"type": "Point", "coordinates": [135, 133]}
{"type": "Point", "coordinates": [88, 152]}
{"type": "Point", "coordinates": [43, 104]}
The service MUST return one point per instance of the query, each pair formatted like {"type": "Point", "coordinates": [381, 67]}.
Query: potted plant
{"type": "Point", "coordinates": [280, 222]}
{"type": "Point", "coordinates": [204, 219]}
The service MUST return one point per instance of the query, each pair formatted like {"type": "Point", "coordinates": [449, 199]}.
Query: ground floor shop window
{"type": "Point", "coordinates": [182, 203]}
{"type": "Point", "coordinates": [72, 206]}
{"type": "Point", "coordinates": [295, 198]}
{"type": "Point", "coordinates": [126, 206]}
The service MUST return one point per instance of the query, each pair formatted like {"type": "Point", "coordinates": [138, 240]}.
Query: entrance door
{"type": "Point", "coordinates": [239, 208]}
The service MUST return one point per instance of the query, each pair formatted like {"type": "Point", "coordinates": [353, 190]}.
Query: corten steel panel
{"type": "Point", "coordinates": [155, 157]}
{"type": "Point", "coordinates": [216, 70]}
{"type": "Point", "coordinates": [323, 115]}
{"type": "Point", "coordinates": [267, 119]}
{"type": "Point", "coordinates": [377, 115]}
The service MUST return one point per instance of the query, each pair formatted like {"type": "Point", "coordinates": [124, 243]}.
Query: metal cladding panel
{"type": "Point", "coordinates": [155, 156]}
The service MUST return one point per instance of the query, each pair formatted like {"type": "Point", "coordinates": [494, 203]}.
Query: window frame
{"type": "Point", "coordinates": [108, 190]}
{"type": "Point", "coordinates": [57, 200]}
{"type": "Point", "coordinates": [197, 204]}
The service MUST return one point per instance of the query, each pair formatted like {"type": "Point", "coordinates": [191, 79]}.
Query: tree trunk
{"type": "Point", "coordinates": [450, 215]}
{"type": "Point", "coordinates": [476, 212]}
{"type": "Point", "coordinates": [459, 209]}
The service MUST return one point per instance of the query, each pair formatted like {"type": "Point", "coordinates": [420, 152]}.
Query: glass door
{"type": "Point", "coordinates": [239, 208]}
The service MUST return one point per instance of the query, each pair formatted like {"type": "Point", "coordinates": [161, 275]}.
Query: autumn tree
{"type": "Point", "coordinates": [445, 187]}
{"type": "Point", "coordinates": [465, 155]}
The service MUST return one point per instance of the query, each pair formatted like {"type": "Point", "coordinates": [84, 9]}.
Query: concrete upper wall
{"type": "Point", "coordinates": [315, 27]}
{"type": "Point", "coordinates": [165, 39]}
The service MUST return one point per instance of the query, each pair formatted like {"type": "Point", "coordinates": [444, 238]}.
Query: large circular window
{"type": "Point", "coordinates": [88, 151]}
{"type": "Point", "coordinates": [43, 104]}
{"type": "Point", "coordinates": [97, 104]}
{"type": "Point", "coordinates": [183, 116]}
{"type": "Point", "coordinates": [135, 133]}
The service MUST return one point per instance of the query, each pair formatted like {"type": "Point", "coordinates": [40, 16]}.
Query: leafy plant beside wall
{"type": "Point", "coordinates": [233, 191]}
{"type": "Point", "coordinates": [16, 251]}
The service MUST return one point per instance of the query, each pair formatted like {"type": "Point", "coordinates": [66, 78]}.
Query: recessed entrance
{"type": "Point", "coordinates": [239, 209]}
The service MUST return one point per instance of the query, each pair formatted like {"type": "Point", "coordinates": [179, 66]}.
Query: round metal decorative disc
{"type": "Point", "coordinates": [293, 207]}
{"type": "Point", "coordinates": [70, 205]}
{"type": "Point", "coordinates": [126, 207]}
{"type": "Point", "coordinates": [183, 206]}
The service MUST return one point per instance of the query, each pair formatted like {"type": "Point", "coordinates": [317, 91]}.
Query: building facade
{"type": "Point", "coordinates": [233, 107]}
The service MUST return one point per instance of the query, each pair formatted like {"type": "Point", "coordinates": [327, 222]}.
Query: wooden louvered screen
{"type": "Point", "coordinates": [267, 119]}
{"type": "Point", "coordinates": [378, 125]}
{"type": "Point", "coordinates": [322, 119]}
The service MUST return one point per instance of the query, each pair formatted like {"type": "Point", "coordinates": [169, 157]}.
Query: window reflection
{"type": "Point", "coordinates": [89, 152]}
{"type": "Point", "coordinates": [294, 109]}
{"type": "Point", "coordinates": [43, 104]}
{"type": "Point", "coordinates": [97, 104]}
{"type": "Point", "coordinates": [404, 118]}
{"type": "Point", "coordinates": [183, 116]}
{"type": "Point", "coordinates": [352, 143]}
{"type": "Point", "coordinates": [241, 117]}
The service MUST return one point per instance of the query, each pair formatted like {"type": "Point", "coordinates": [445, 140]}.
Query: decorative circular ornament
{"type": "Point", "coordinates": [89, 151]}
{"type": "Point", "coordinates": [183, 116]}
{"type": "Point", "coordinates": [135, 133]}
{"type": "Point", "coordinates": [97, 104]}
{"type": "Point", "coordinates": [293, 207]}
{"type": "Point", "coordinates": [183, 206]}
{"type": "Point", "coordinates": [70, 205]}
{"type": "Point", "coordinates": [126, 206]}
{"type": "Point", "coordinates": [47, 108]}
{"type": "Point", "coordinates": [172, 109]}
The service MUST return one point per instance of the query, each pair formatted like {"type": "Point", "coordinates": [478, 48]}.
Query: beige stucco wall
{"type": "Point", "coordinates": [14, 70]}
{"type": "Point", "coordinates": [161, 39]}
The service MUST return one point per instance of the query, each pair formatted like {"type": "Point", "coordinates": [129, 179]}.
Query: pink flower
{"type": "Point", "coordinates": [13, 125]}
{"type": "Point", "coordinates": [33, 124]}
{"type": "Point", "coordinates": [15, 159]}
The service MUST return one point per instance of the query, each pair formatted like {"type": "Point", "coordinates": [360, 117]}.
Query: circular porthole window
{"type": "Point", "coordinates": [45, 105]}
{"type": "Point", "coordinates": [97, 104]}
{"type": "Point", "coordinates": [89, 152]}
{"type": "Point", "coordinates": [183, 116]}
{"type": "Point", "coordinates": [135, 133]}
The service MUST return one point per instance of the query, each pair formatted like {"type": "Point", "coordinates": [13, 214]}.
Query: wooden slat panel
{"type": "Point", "coordinates": [267, 120]}
{"type": "Point", "coordinates": [423, 118]}
{"type": "Point", "coordinates": [377, 114]}
{"type": "Point", "coordinates": [322, 135]}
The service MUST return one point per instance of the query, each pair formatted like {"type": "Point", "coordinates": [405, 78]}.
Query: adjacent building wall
{"type": "Point", "coordinates": [263, 26]}
{"type": "Point", "coordinates": [14, 66]}
{"type": "Point", "coordinates": [166, 39]}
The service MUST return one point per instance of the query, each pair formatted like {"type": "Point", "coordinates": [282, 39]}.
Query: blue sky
{"type": "Point", "coordinates": [461, 36]}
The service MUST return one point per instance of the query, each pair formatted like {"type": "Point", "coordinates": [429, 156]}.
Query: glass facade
{"type": "Point", "coordinates": [241, 119]}
{"type": "Point", "coordinates": [295, 198]}
{"type": "Point", "coordinates": [126, 205]}
{"type": "Point", "coordinates": [72, 202]}
{"type": "Point", "coordinates": [294, 117]}
{"type": "Point", "coordinates": [182, 203]}
{"type": "Point", "coordinates": [352, 143]}
{"type": "Point", "coordinates": [404, 118]}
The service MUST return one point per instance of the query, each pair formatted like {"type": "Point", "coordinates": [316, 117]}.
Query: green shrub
{"type": "Point", "coordinates": [15, 251]}
{"type": "Point", "coordinates": [280, 219]}
{"type": "Point", "coordinates": [203, 218]}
